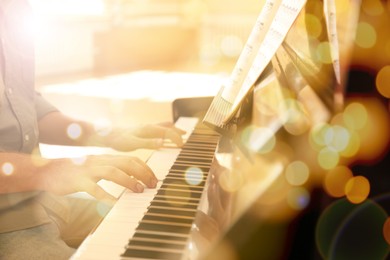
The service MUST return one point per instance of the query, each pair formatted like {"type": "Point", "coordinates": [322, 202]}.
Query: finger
{"type": "Point", "coordinates": [147, 143]}
{"type": "Point", "coordinates": [98, 192]}
{"type": "Point", "coordinates": [140, 170]}
{"type": "Point", "coordinates": [174, 137]}
{"type": "Point", "coordinates": [171, 125]}
{"type": "Point", "coordinates": [127, 166]}
{"type": "Point", "coordinates": [144, 173]}
{"type": "Point", "coordinates": [153, 131]}
{"type": "Point", "coordinates": [118, 176]}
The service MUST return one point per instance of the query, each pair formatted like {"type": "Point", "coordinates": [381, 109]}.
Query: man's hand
{"type": "Point", "coordinates": [146, 136]}
{"type": "Point", "coordinates": [56, 128]}
{"type": "Point", "coordinates": [65, 176]}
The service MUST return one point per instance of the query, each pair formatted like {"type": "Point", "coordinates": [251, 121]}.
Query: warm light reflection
{"type": "Point", "coordinates": [318, 135]}
{"type": "Point", "coordinates": [353, 146]}
{"type": "Point", "coordinates": [298, 198]}
{"type": "Point", "coordinates": [372, 7]}
{"type": "Point", "coordinates": [230, 181]}
{"type": "Point", "coordinates": [340, 138]}
{"type": "Point", "coordinates": [258, 139]}
{"type": "Point", "coordinates": [313, 25]}
{"type": "Point", "coordinates": [7, 168]}
{"type": "Point", "coordinates": [69, 7]}
{"type": "Point", "coordinates": [328, 158]}
{"type": "Point", "coordinates": [79, 160]}
{"type": "Point", "coordinates": [386, 230]}
{"type": "Point", "coordinates": [355, 116]}
{"type": "Point", "coordinates": [297, 173]}
{"type": "Point", "coordinates": [296, 120]}
{"type": "Point", "coordinates": [74, 131]}
{"type": "Point", "coordinates": [336, 180]}
{"type": "Point", "coordinates": [193, 176]}
{"type": "Point", "coordinates": [102, 208]}
{"type": "Point", "coordinates": [357, 189]}
{"type": "Point", "coordinates": [366, 35]}
{"type": "Point", "coordinates": [383, 81]}
{"type": "Point", "coordinates": [323, 53]}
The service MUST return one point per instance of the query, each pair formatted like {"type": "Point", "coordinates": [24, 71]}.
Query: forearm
{"type": "Point", "coordinates": [20, 172]}
{"type": "Point", "coordinates": [56, 128]}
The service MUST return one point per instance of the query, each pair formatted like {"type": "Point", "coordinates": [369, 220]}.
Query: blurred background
{"type": "Point", "coordinates": [112, 56]}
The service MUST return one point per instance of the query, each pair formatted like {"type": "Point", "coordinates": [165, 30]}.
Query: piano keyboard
{"type": "Point", "coordinates": [157, 223]}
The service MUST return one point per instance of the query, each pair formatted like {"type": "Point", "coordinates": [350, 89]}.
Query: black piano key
{"type": "Point", "coordinates": [164, 229]}
{"type": "Point", "coordinates": [186, 168]}
{"type": "Point", "coordinates": [168, 219]}
{"type": "Point", "coordinates": [150, 254]}
{"type": "Point", "coordinates": [201, 149]}
{"type": "Point", "coordinates": [162, 244]}
{"type": "Point", "coordinates": [173, 206]}
{"type": "Point", "coordinates": [176, 201]}
{"type": "Point", "coordinates": [175, 193]}
{"type": "Point", "coordinates": [182, 158]}
{"type": "Point", "coordinates": [172, 212]}
{"type": "Point", "coordinates": [185, 186]}
{"type": "Point", "coordinates": [156, 227]}
{"type": "Point", "coordinates": [190, 154]}
{"type": "Point", "coordinates": [160, 237]}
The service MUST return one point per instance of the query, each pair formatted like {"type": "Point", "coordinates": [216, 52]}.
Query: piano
{"type": "Point", "coordinates": [157, 223]}
{"type": "Point", "coordinates": [268, 217]}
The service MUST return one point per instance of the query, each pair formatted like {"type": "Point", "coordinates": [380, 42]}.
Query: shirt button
{"type": "Point", "coordinates": [10, 91]}
{"type": "Point", "coordinates": [26, 137]}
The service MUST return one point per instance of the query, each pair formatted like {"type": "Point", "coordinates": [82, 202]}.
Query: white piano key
{"type": "Point", "coordinates": [110, 238]}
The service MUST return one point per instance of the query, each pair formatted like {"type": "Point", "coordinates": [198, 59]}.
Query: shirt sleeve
{"type": "Point", "coordinates": [42, 106]}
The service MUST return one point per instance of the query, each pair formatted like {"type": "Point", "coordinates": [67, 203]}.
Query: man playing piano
{"type": "Point", "coordinates": [36, 220]}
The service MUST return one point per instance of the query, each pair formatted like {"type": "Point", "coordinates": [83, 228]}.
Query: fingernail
{"type": "Point", "coordinates": [139, 187]}
{"type": "Point", "coordinates": [153, 183]}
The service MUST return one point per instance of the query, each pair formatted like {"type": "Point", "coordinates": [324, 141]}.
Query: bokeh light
{"type": "Point", "coordinates": [74, 131]}
{"type": "Point", "coordinates": [319, 136]}
{"type": "Point", "coordinates": [7, 168]}
{"type": "Point", "coordinates": [323, 53]}
{"type": "Point", "coordinates": [366, 35]}
{"type": "Point", "coordinates": [313, 25]}
{"type": "Point", "coordinates": [383, 81]}
{"type": "Point", "coordinates": [193, 176]}
{"type": "Point", "coordinates": [355, 116]}
{"type": "Point", "coordinates": [357, 189]}
{"type": "Point", "coordinates": [352, 231]}
{"type": "Point", "coordinates": [297, 173]}
{"type": "Point", "coordinates": [336, 179]}
{"type": "Point", "coordinates": [352, 147]}
{"type": "Point", "coordinates": [79, 160]}
{"type": "Point", "coordinates": [372, 7]}
{"type": "Point", "coordinates": [298, 198]}
{"type": "Point", "coordinates": [386, 230]}
{"type": "Point", "coordinates": [296, 120]}
{"type": "Point", "coordinates": [102, 208]}
{"type": "Point", "coordinates": [258, 139]}
{"type": "Point", "coordinates": [340, 138]}
{"type": "Point", "coordinates": [230, 181]}
{"type": "Point", "coordinates": [328, 158]}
